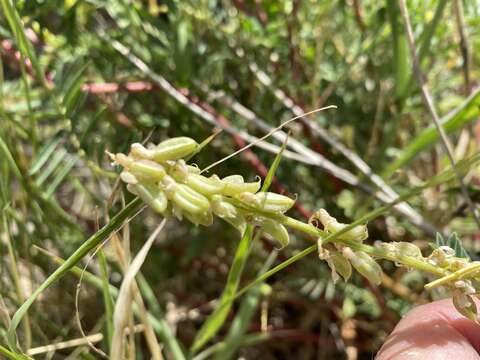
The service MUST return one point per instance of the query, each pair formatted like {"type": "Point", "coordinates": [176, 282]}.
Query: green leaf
{"type": "Point", "coordinates": [453, 242]}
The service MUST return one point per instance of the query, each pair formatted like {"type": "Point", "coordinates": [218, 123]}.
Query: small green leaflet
{"type": "Point", "coordinates": [454, 242]}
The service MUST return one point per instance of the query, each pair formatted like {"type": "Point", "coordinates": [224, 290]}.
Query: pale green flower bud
{"type": "Point", "coordinates": [222, 208]}
{"type": "Point", "coordinates": [238, 222]}
{"type": "Point", "coordinates": [121, 159]}
{"type": "Point", "coordinates": [364, 264]}
{"type": "Point", "coordinates": [267, 201]}
{"type": "Point", "coordinates": [270, 201]}
{"type": "Point", "coordinates": [465, 305]}
{"type": "Point", "coordinates": [275, 230]}
{"type": "Point", "coordinates": [190, 200]}
{"type": "Point", "coordinates": [147, 170]}
{"type": "Point", "coordinates": [169, 185]}
{"type": "Point", "coordinates": [205, 219]}
{"type": "Point", "coordinates": [138, 151]}
{"type": "Point", "coordinates": [331, 225]}
{"type": "Point", "coordinates": [174, 149]}
{"type": "Point", "coordinates": [407, 249]}
{"type": "Point", "coordinates": [338, 264]}
{"type": "Point", "coordinates": [151, 194]}
{"type": "Point", "coordinates": [178, 169]}
{"type": "Point", "coordinates": [235, 184]}
{"type": "Point", "coordinates": [128, 177]}
{"type": "Point", "coordinates": [204, 185]}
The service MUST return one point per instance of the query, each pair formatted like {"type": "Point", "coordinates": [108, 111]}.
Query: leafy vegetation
{"type": "Point", "coordinates": [83, 258]}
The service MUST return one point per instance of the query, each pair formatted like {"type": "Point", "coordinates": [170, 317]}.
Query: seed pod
{"type": "Point", "coordinates": [275, 230]}
{"type": "Point", "coordinates": [138, 151]}
{"type": "Point", "coordinates": [465, 305]}
{"type": "Point", "coordinates": [204, 185]}
{"type": "Point", "coordinates": [151, 194]}
{"type": "Point", "coordinates": [338, 264]}
{"type": "Point", "coordinates": [267, 201]}
{"type": "Point", "coordinates": [234, 185]}
{"type": "Point", "coordinates": [205, 219]}
{"type": "Point", "coordinates": [364, 264]}
{"type": "Point", "coordinates": [222, 208]}
{"type": "Point", "coordinates": [190, 200]}
{"type": "Point", "coordinates": [174, 149]}
{"type": "Point", "coordinates": [128, 177]}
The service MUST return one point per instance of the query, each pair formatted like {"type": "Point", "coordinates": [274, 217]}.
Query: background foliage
{"type": "Point", "coordinates": [81, 77]}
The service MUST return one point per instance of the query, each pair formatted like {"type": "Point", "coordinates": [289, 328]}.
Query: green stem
{"type": "Point", "coordinates": [408, 261]}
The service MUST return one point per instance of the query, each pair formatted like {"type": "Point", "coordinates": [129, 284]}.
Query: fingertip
{"type": "Point", "coordinates": [432, 330]}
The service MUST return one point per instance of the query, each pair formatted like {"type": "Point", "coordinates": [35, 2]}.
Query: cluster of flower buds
{"type": "Point", "coordinates": [341, 258]}
{"type": "Point", "coordinates": [462, 281]}
{"type": "Point", "coordinates": [460, 272]}
{"type": "Point", "coordinates": [160, 176]}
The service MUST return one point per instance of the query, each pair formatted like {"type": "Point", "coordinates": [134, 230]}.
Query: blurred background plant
{"type": "Point", "coordinates": [81, 77]}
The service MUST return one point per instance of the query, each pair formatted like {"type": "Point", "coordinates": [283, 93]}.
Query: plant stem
{"type": "Point", "coordinates": [408, 261]}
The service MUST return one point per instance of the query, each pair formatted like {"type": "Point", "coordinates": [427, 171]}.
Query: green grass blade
{"type": "Point", "coordinates": [83, 250]}
{"type": "Point", "coordinates": [400, 50]}
{"type": "Point", "coordinates": [23, 43]}
{"type": "Point", "coordinates": [161, 327]}
{"type": "Point", "coordinates": [57, 158]}
{"type": "Point", "coordinates": [10, 160]}
{"type": "Point", "coordinates": [468, 111]}
{"type": "Point", "coordinates": [72, 89]}
{"type": "Point", "coordinates": [215, 321]}
{"type": "Point", "coordinates": [218, 317]}
{"type": "Point", "coordinates": [44, 155]}
{"type": "Point", "coordinates": [61, 175]}
{"type": "Point", "coordinates": [107, 298]}
{"type": "Point", "coordinates": [427, 35]}
{"type": "Point", "coordinates": [273, 168]}
{"type": "Point", "coordinates": [240, 324]}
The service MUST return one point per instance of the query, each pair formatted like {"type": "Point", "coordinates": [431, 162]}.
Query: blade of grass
{"type": "Point", "coordinates": [468, 111]}
{"type": "Point", "coordinates": [215, 321]}
{"type": "Point", "coordinates": [159, 324]}
{"type": "Point", "coordinates": [61, 175]}
{"type": "Point", "coordinates": [24, 44]}
{"type": "Point", "coordinates": [428, 100]}
{"type": "Point", "coordinates": [107, 298]}
{"type": "Point", "coordinates": [44, 155]}
{"type": "Point", "coordinates": [124, 301]}
{"type": "Point", "coordinates": [16, 279]}
{"type": "Point", "coordinates": [236, 334]}
{"type": "Point", "coordinates": [400, 50]}
{"type": "Point", "coordinates": [88, 245]}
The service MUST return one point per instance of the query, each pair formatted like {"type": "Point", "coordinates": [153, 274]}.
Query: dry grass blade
{"type": "Point", "coordinates": [124, 300]}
